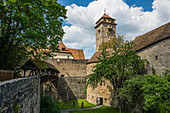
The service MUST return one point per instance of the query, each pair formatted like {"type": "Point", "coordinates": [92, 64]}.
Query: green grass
{"type": "Point", "coordinates": [103, 109]}
{"type": "Point", "coordinates": [69, 104]}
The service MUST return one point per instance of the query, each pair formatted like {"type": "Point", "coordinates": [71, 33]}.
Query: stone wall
{"type": "Point", "coordinates": [158, 55]}
{"type": "Point", "coordinates": [24, 92]}
{"type": "Point", "coordinates": [67, 88]}
{"type": "Point", "coordinates": [70, 67]}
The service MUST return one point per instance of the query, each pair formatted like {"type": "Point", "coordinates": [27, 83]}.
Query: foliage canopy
{"type": "Point", "coordinates": [27, 28]}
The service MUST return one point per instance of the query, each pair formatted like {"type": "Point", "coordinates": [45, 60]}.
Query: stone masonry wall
{"type": "Point", "coordinates": [104, 91]}
{"type": "Point", "coordinates": [22, 91]}
{"type": "Point", "coordinates": [158, 55]}
{"type": "Point", "coordinates": [70, 67]}
{"type": "Point", "coordinates": [71, 88]}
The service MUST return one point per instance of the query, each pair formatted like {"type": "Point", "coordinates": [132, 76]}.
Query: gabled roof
{"type": "Point", "coordinates": [152, 37]}
{"type": "Point", "coordinates": [77, 53]}
{"type": "Point", "coordinates": [61, 45]}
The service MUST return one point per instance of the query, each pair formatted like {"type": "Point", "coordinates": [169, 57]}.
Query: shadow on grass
{"type": "Point", "coordinates": [69, 104]}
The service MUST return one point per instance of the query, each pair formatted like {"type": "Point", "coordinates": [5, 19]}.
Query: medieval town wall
{"type": "Point", "coordinates": [67, 88]}
{"type": "Point", "coordinates": [24, 92]}
{"type": "Point", "coordinates": [158, 56]}
{"type": "Point", "coordinates": [69, 67]}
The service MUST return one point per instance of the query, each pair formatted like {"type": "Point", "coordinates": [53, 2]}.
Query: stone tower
{"type": "Point", "coordinates": [105, 30]}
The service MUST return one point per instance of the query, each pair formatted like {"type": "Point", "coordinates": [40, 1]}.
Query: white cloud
{"type": "Point", "coordinates": [132, 21]}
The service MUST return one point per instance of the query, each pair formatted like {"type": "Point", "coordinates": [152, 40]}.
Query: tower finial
{"type": "Point", "coordinates": [105, 10]}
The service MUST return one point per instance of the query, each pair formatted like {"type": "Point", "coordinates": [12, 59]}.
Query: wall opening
{"type": "Point", "coordinates": [99, 101]}
{"type": "Point", "coordinates": [156, 57]}
{"type": "Point", "coordinates": [62, 75]}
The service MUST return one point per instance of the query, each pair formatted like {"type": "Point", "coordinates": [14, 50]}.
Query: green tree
{"type": "Point", "coordinates": [117, 67]}
{"type": "Point", "coordinates": [27, 29]}
{"type": "Point", "coordinates": [131, 92]}
{"type": "Point", "coordinates": [156, 91]}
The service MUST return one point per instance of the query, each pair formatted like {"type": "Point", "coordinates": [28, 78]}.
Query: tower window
{"type": "Point", "coordinates": [98, 31]}
{"type": "Point", "coordinates": [156, 57]}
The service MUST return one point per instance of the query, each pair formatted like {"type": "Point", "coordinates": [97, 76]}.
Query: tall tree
{"type": "Point", "coordinates": [27, 28]}
{"type": "Point", "coordinates": [117, 67]}
{"type": "Point", "coordinates": [131, 92]}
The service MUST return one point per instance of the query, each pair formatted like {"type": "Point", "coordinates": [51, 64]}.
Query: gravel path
{"type": "Point", "coordinates": [67, 110]}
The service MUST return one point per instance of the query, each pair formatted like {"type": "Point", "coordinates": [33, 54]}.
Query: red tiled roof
{"type": "Point", "coordinates": [61, 45]}
{"type": "Point", "coordinates": [77, 53]}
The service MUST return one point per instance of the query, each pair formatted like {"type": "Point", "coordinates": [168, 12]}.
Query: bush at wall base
{"type": "Point", "coordinates": [47, 105]}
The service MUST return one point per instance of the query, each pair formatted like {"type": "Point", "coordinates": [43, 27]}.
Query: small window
{"type": "Point", "coordinates": [63, 49]}
{"type": "Point", "coordinates": [156, 57]}
{"type": "Point", "coordinates": [62, 75]}
{"type": "Point", "coordinates": [98, 31]}
{"type": "Point", "coordinates": [108, 19]}
{"type": "Point", "coordinates": [68, 57]}
{"type": "Point", "coordinates": [104, 19]}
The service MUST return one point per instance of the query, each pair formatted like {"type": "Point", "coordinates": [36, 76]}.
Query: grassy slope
{"type": "Point", "coordinates": [69, 104]}
{"type": "Point", "coordinates": [103, 109]}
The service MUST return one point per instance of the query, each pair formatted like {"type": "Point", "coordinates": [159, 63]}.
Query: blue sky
{"type": "Point", "coordinates": [133, 18]}
{"type": "Point", "coordinates": [146, 4]}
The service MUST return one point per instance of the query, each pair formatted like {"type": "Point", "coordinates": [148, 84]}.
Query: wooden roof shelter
{"type": "Point", "coordinates": [39, 67]}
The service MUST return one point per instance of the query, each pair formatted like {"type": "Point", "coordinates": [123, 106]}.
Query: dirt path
{"type": "Point", "coordinates": [67, 110]}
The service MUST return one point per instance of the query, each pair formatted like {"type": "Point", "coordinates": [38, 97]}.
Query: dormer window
{"type": "Point", "coordinates": [63, 49]}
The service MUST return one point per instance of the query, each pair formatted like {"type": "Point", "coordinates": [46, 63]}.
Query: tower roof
{"type": "Point", "coordinates": [105, 16]}
{"type": "Point", "coordinates": [105, 19]}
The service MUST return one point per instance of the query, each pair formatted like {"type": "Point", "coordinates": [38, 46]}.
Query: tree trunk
{"type": "Point", "coordinates": [120, 106]}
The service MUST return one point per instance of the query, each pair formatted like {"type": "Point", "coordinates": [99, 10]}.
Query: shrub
{"type": "Point", "coordinates": [47, 105]}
